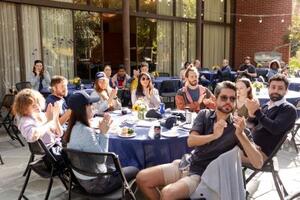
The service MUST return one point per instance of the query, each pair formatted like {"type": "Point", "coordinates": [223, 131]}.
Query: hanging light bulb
{"type": "Point", "coordinates": [222, 1]}
{"type": "Point", "coordinates": [260, 20]}
{"type": "Point", "coordinates": [282, 20]}
{"type": "Point", "coordinates": [221, 18]}
{"type": "Point", "coordinates": [240, 20]}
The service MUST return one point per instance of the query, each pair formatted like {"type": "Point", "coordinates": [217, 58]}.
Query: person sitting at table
{"type": "Point", "coordinates": [285, 71]}
{"type": "Point", "coordinates": [244, 92]}
{"type": "Point", "coordinates": [274, 119]}
{"type": "Point", "coordinates": [134, 79]}
{"type": "Point", "coordinates": [224, 73]}
{"type": "Point", "coordinates": [214, 132]}
{"type": "Point", "coordinates": [35, 124]}
{"type": "Point", "coordinates": [59, 88]}
{"type": "Point", "coordinates": [108, 96]}
{"type": "Point", "coordinates": [182, 70]}
{"type": "Point", "coordinates": [40, 78]}
{"type": "Point", "coordinates": [107, 71]}
{"type": "Point", "coordinates": [274, 68]}
{"type": "Point", "coordinates": [247, 69]}
{"type": "Point", "coordinates": [81, 136]}
{"type": "Point", "coordinates": [122, 78]}
{"type": "Point", "coordinates": [193, 95]}
{"type": "Point", "coordinates": [145, 90]}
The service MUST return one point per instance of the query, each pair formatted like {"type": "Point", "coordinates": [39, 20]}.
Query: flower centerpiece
{"type": "Point", "coordinates": [155, 74]}
{"type": "Point", "coordinates": [76, 81]}
{"type": "Point", "coordinates": [258, 86]}
{"type": "Point", "coordinates": [140, 107]}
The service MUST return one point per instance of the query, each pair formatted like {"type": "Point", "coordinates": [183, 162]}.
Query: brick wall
{"type": "Point", "coordinates": [252, 36]}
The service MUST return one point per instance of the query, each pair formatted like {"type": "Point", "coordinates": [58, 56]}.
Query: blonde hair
{"type": "Point", "coordinates": [25, 98]}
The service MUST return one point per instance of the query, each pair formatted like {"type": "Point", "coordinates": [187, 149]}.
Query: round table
{"type": "Point", "coordinates": [142, 151]}
{"type": "Point", "coordinates": [292, 96]}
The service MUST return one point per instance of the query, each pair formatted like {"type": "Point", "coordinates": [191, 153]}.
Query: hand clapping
{"type": "Point", "coordinates": [252, 105]}
{"type": "Point", "coordinates": [219, 128]}
{"type": "Point", "coordinates": [239, 123]}
{"type": "Point", "coordinates": [105, 123]}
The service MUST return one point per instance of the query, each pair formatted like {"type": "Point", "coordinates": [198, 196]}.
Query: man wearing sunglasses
{"type": "Point", "coordinates": [214, 132]}
{"type": "Point", "coordinates": [193, 95]}
{"type": "Point", "coordinates": [274, 119]}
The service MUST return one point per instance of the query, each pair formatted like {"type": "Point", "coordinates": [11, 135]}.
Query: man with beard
{"type": "Point", "coordinates": [247, 69]}
{"type": "Point", "coordinates": [59, 88]}
{"type": "Point", "coordinates": [274, 119]}
{"type": "Point", "coordinates": [213, 133]}
{"type": "Point", "coordinates": [192, 95]}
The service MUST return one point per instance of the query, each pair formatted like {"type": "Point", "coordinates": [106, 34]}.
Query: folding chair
{"type": "Point", "coordinates": [294, 131]}
{"type": "Point", "coordinates": [7, 118]}
{"type": "Point", "coordinates": [22, 85]}
{"type": "Point", "coordinates": [168, 89]}
{"type": "Point", "coordinates": [87, 163]}
{"type": "Point", "coordinates": [46, 167]}
{"type": "Point", "coordinates": [1, 161]}
{"type": "Point", "coordinates": [270, 165]}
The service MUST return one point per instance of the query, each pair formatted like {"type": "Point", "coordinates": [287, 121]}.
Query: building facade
{"type": "Point", "coordinates": [78, 37]}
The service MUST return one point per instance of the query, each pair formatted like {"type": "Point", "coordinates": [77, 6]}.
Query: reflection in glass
{"type": "Point", "coordinates": [180, 45]}
{"type": "Point", "coordinates": [213, 45]}
{"type": "Point", "coordinates": [214, 10]}
{"type": "Point", "coordinates": [147, 6]}
{"type": "Point", "coordinates": [88, 43]}
{"type": "Point", "coordinates": [146, 40]}
{"type": "Point", "coordinates": [165, 7]}
{"type": "Point", "coordinates": [186, 8]}
{"type": "Point", "coordinates": [57, 39]}
{"type": "Point", "coordinates": [114, 4]}
{"type": "Point", "coordinates": [164, 46]}
{"type": "Point", "coordinates": [79, 1]}
{"type": "Point", "coordinates": [192, 42]}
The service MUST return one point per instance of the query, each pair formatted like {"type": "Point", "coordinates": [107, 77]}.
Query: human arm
{"type": "Point", "coordinates": [252, 153]}
{"type": "Point", "coordinates": [100, 106]}
{"type": "Point", "coordinates": [154, 99]}
{"type": "Point", "coordinates": [34, 80]}
{"type": "Point", "coordinates": [47, 78]}
{"type": "Point", "coordinates": [65, 117]}
{"type": "Point", "coordinates": [133, 97]}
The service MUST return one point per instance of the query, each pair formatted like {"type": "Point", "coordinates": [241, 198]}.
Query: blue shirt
{"type": "Point", "coordinates": [62, 103]}
{"type": "Point", "coordinates": [194, 93]}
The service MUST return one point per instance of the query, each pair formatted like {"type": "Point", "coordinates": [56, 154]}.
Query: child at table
{"type": "Point", "coordinates": [35, 124]}
{"type": "Point", "coordinates": [81, 136]}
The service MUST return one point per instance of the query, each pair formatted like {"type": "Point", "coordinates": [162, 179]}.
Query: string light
{"type": "Point", "coordinates": [282, 20]}
{"type": "Point", "coordinates": [260, 20]}
{"type": "Point", "coordinates": [221, 18]}
{"type": "Point", "coordinates": [240, 20]}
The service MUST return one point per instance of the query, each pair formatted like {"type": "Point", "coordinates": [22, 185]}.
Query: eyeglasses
{"type": "Point", "coordinates": [225, 98]}
{"type": "Point", "coordinates": [144, 78]}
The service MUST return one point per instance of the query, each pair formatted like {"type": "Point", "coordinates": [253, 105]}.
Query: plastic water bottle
{"type": "Point", "coordinates": [162, 108]}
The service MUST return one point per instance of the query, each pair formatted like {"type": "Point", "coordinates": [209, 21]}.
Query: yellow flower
{"type": "Point", "coordinates": [257, 85]}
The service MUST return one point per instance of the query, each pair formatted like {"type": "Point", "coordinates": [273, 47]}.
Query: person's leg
{"type": "Point", "coordinates": [181, 189]}
{"type": "Point", "coordinates": [149, 179]}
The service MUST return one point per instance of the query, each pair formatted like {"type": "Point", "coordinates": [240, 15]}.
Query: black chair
{"type": "Point", "coordinates": [46, 167]}
{"type": "Point", "coordinates": [22, 85]}
{"type": "Point", "coordinates": [163, 74]}
{"type": "Point", "coordinates": [87, 163]}
{"type": "Point", "coordinates": [263, 73]}
{"type": "Point", "coordinates": [270, 165]}
{"type": "Point", "coordinates": [7, 118]}
{"type": "Point", "coordinates": [168, 89]}
{"type": "Point", "coordinates": [1, 161]}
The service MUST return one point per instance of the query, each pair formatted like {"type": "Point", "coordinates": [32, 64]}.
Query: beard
{"type": "Point", "coordinates": [225, 109]}
{"type": "Point", "coordinates": [193, 83]}
{"type": "Point", "coordinates": [275, 97]}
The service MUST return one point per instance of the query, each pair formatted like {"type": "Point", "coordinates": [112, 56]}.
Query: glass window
{"type": "Point", "coordinates": [165, 7]}
{"type": "Point", "coordinates": [68, 1]}
{"type": "Point", "coordinates": [148, 6]}
{"type": "Point", "coordinates": [57, 39]}
{"type": "Point", "coordinates": [116, 4]}
{"type": "Point", "coordinates": [186, 8]}
{"type": "Point", "coordinates": [214, 45]}
{"type": "Point", "coordinates": [214, 10]}
{"type": "Point", "coordinates": [192, 42]}
{"type": "Point", "coordinates": [228, 12]}
{"type": "Point", "coordinates": [79, 1]}
{"type": "Point", "coordinates": [88, 43]}
{"type": "Point", "coordinates": [9, 59]}
{"type": "Point", "coordinates": [164, 46]}
{"type": "Point", "coordinates": [146, 41]}
{"type": "Point", "coordinates": [180, 45]}
{"type": "Point", "coordinates": [31, 35]}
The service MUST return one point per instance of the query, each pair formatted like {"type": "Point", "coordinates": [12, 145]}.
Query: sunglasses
{"type": "Point", "coordinates": [225, 98]}
{"type": "Point", "coordinates": [144, 78]}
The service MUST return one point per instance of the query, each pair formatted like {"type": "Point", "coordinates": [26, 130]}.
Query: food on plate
{"type": "Point", "coordinates": [127, 131]}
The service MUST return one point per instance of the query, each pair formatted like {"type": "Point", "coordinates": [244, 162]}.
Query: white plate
{"type": "Point", "coordinates": [169, 134]}
{"type": "Point", "coordinates": [127, 135]}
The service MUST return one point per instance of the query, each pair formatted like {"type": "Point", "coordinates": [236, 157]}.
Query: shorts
{"type": "Point", "coordinates": [172, 173]}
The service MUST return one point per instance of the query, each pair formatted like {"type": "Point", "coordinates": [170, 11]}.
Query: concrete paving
{"type": "Point", "coordinates": [16, 157]}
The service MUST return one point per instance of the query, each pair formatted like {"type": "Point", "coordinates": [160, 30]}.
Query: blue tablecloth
{"type": "Point", "coordinates": [294, 84]}
{"type": "Point", "coordinates": [292, 97]}
{"type": "Point", "coordinates": [157, 82]}
{"type": "Point", "coordinates": [142, 151]}
{"type": "Point", "coordinates": [212, 75]}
